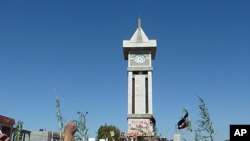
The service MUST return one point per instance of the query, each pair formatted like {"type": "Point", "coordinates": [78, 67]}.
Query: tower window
{"type": "Point", "coordinates": [140, 72]}
{"type": "Point", "coordinates": [146, 95]}
{"type": "Point", "coordinates": [133, 95]}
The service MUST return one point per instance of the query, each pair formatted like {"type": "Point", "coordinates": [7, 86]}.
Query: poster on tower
{"type": "Point", "coordinates": [140, 127]}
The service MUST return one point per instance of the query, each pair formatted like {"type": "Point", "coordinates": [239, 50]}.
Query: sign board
{"type": "Point", "coordinates": [112, 133]}
{"type": "Point", "coordinates": [91, 139]}
{"type": "Point", "coordinates": [177, 137]}
{"type": "Point", "coordinates": [140, 127]}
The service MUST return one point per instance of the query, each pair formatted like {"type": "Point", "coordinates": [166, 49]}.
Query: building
{"type": "Point", "coordinates": [139, 51]}
{"type": "Point", "coordinates": [44, 136]}
{"type": "Point", "coordinates": [6, 125]}
{"type": "Point", "coordinates": [25, 135]}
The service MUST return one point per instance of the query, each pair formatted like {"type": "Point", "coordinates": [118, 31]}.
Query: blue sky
{"type": "Point", "coordinates": [75, 48]}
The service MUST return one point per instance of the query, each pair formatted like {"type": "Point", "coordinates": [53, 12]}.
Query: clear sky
{"type": "Point", "coordinates": [75, 48]}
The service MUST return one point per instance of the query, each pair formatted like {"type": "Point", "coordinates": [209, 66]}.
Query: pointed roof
{"type": "Point", "coordinates": [139, 36]}
{"type": "Point", "coordinates": [138, 42]}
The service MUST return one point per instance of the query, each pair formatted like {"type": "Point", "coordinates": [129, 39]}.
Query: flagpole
{"type": "Point", "coordinates": [175, 129]}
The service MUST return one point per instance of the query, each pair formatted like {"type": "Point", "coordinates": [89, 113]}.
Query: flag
{"type": "Point", "coordinates": [184, 122]}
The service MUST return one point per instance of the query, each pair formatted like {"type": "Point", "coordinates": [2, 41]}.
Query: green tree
{"type": "Point", "coordinates": [205, 124]}
{"type": "Point", "coordinates": [104, 132]}
{"type": "Point", "coordinates": [82, 133]}
{"type": "Point", "coordinates": [196, 136]}
{"type": "Point", "coordinates": [18, 131]}
{"type": "Point", "coordinates": [59, 117]}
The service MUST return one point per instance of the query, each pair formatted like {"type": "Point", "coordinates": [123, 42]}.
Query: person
{"type": "Point", "coordinates": [4, 137]}
{"type": "Point", "coordinates": [69, 131]}
{"type": "Point", "coordinates": [152, 121]}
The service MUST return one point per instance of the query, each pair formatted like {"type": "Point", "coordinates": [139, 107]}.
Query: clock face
{"type": "Point", "coordinates": [139, 59]}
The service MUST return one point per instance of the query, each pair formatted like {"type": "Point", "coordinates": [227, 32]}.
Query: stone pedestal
{"type": "Point", "coordinates": [139, 125]}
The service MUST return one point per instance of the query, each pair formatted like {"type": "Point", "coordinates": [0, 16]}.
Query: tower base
{"type": "Point", "coordinates": [139, 125]}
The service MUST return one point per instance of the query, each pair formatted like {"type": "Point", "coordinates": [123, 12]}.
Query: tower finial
{"type": "Point", "coordinates": [139, 22]}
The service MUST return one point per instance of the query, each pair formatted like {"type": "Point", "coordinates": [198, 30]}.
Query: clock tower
{"type": "Point", "coordinates": [140, 51]}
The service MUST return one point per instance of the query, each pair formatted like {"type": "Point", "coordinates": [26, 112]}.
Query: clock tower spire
{"type": "Point", "coordinates": [139, 22]}
{"type": "Point", "coordinates": [139, 51]}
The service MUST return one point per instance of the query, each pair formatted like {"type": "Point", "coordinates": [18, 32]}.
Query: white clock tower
{"type": "Point", "coordinates": [139, 51]}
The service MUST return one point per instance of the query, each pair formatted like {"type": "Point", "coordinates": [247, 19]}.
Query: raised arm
{"type": "Point", "coordinates": [69, 131]}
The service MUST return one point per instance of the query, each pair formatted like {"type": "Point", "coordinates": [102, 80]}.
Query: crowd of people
{"type": "Point", "coordinates": [69, 131]}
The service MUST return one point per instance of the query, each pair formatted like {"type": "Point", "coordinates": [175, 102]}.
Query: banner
{"type": "Point", "coordinates": [140, 127]}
